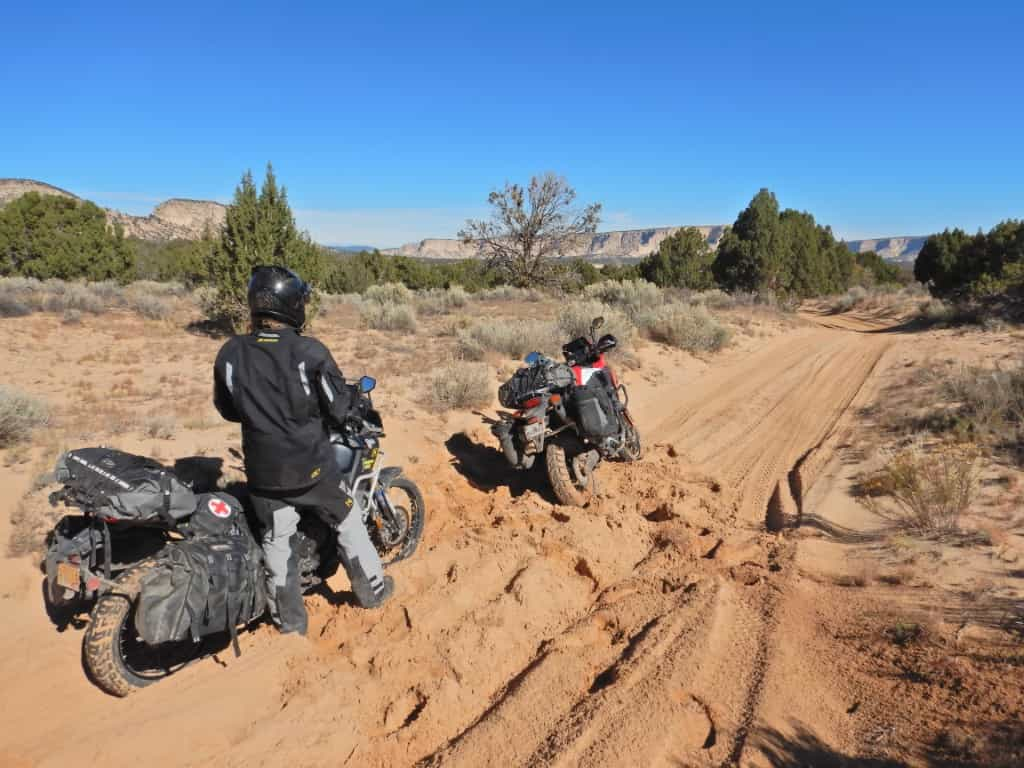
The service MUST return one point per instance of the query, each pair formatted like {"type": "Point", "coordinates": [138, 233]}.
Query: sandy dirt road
{"type": "Point", "coordinates": [640, 631]}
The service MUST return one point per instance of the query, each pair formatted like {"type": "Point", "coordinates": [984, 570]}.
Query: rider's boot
{"type": "Point", "coordinates": [362, 563]}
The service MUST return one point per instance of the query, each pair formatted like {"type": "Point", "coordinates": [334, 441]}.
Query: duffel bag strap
{"type": "Point", "coordinates": [165, 492]}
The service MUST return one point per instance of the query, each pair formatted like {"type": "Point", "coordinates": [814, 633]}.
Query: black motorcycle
{"type": "Point", "coordinates": [576, 413]}
{"type": "Point", "coordinates": [96, 563]}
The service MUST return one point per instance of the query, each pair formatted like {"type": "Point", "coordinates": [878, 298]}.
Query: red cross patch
{"type": "Point", "coordinates": [218, 508]}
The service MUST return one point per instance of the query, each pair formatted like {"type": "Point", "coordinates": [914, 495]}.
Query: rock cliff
{"type": "Point", "coordinates": [630, 245]}
{"type": "Point", "coordinates": [171, 220]}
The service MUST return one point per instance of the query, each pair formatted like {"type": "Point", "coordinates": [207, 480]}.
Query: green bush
{"type": "Point", "coordinates": [689, 327]}
{"type": "Point", "coordinates": [956, 265]}
{"type": "Point", "coordinates": [683, 260]}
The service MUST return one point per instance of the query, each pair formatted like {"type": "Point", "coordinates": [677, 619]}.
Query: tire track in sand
{"type": "Point", "coordinates": [683, 687]}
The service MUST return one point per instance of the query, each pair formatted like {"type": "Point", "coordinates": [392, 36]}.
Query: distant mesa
{"type": "Point", "coordinates": [179, 219]}
{"type": "Point", "coordinates": [630, 245]}
{"type": "Point", "coordinates": [173, 219]}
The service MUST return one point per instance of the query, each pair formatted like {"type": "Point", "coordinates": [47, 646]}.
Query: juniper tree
{"type": "Point", "coordinates": [258, 229]}
{"type": "Point", "coordinates": [530, 227]}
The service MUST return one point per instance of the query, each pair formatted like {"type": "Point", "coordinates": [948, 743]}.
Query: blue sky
{"type": "Point", "coordinates": [390, 122]}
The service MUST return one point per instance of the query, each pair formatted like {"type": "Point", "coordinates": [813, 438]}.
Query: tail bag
{"type": "Point", "coordinates": [118, 486]}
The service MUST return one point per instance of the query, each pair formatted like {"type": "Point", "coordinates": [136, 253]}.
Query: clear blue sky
{"type": "Point", "coordinates": [392, 121]}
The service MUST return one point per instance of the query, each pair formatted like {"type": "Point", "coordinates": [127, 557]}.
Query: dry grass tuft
{"type": "Point", "coordinates": [160, 426]}
{"type": "Point", "coordinates": [928, 490]}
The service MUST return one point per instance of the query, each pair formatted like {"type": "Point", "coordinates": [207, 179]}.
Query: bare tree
{"type": "Point", "coordinates": [530, 227]}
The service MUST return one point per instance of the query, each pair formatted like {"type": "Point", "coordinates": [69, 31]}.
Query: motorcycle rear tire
{"type": "Point", "coordinates": [568, 489]}
{"type": "Point", "coordinates": [103, 648]}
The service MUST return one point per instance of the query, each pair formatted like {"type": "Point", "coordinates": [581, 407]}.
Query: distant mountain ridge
{"type": "Point", "coordinates": [174, 219]}
{"type": "Point", "coordinates": [631, 245]}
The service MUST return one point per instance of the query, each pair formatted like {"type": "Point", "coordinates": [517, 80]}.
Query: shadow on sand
{"type": "Point", "coordinates": [486, 469]}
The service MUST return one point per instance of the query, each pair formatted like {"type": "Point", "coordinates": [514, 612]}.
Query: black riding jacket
{"type": "Point", "coordinates": [286, 390]}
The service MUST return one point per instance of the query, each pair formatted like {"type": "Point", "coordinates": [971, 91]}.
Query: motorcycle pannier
{"type": "Point", "coordinates": [594, 412]}
{"type": "Point", "coordinates": [120, 486]}
{"type": "Point", "coordinates": [208, 583]}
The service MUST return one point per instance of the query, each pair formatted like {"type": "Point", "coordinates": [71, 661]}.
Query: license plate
{"type": "Point", "coordinates": [69, 576]}
{"type": "Point", "coordinates": [531, 431]}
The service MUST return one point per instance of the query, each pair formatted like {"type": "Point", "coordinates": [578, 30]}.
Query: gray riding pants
{"type": "Point", "coordinates": [280, 514]}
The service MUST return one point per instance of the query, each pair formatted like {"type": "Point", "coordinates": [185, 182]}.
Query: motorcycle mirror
{"type": "Point", "coordinates": [597, 323]}
{"type": "Point", "coordinates": [367, 384]}
{"type": "Point", "coordinates": [532, 358]}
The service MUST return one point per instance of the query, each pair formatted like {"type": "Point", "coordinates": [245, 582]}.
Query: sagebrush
{"type": "Point", "coordinates": [20, 414]}
{"type": "Point", "coordinates": [459, 385]}
{"type": "Point", "coordinates": [689, 327]}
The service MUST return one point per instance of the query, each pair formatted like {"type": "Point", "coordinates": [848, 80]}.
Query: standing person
{"type": "Point", "coordinates": [288, 394]}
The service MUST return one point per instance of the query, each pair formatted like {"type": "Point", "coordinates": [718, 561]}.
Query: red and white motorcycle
{"type": "Point", "coordinates": [575, 413]}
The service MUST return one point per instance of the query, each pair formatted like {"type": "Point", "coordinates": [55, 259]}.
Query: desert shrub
{"type": "Point", "coordinates": [11, 307]}
{"type": "Point", "coordinates": [451, 325]}
{"type": "Point", "coordinates": [511, 338]}
{"type": "Point", "coordinates": [459, 385]}
{"type": "Point", "coordinates": [575, 320]}
{"type": "Point", "coordinates": [20, 414]}
{"type": "Point", "coordinates": [928, 488]}
{"type": "Point", "coordinates": [77, 296]}
{"type": "Point", "coordinates": [441, 301]}
{"type": "Point", "coordinates": [71, 317]}
{"type": "Point", "coordinates": [388, 294]}
{"type": "Point", "coordinates": [631, 296]}
{"type": "Point", "coordinates": [509, 293]}
{"type": "Point", "coordinates": [153, 288]}
{"type": "Point", "coordinates": [852, 298]}
{"type": "Point", "coordinates": [692, 328]}
{"type": "Point", "coordinates": [160, 426]}
{"type": "Point", "coordinates": [714, 299]}
{"type": "Point", "coordinates": [939, 312]}
{"type": "Point", "coordinates": [457, 296]}
{"type": "Point", "coordinates": [151, 307]}
{"type": "Point", "coordinates": [990, 402]}
{"type": "Point", "coordinates": [30, 521]}
{"type": "Point", "coordinates": [388, 317]}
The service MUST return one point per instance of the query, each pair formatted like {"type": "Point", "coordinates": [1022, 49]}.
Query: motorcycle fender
{"type": "Point", "coordinates": [388, 474]}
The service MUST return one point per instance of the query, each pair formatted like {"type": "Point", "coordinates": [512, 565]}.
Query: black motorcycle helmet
{"type": "Point", "coordinates": [278, 293]}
